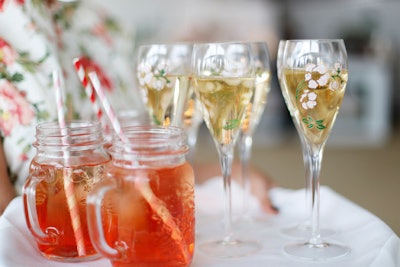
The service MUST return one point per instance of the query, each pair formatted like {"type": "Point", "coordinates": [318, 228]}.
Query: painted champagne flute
{"type": "Point", "coordinates": [314, 75]}
{"type": "Point", "coordinates": [300, 229]}
{"type": "Point", "coordinates": [224, 81]}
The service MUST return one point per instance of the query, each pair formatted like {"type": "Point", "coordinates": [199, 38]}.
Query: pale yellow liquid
{"type": "Point", "coordinates": [166, 106]}
{"type": "Point", "coordinates": [315, 123]}
{"type": "Point", "coordinates": [223, 103]}
{"type": "Point", "coordinates": [191, 116]}
{"type": "Point", "coordinates": [257, 104]}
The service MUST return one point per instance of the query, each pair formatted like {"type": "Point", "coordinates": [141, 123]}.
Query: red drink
{"type": "Point", "coordinates": [146, 209]}
{"type": "Point", "coordinates": [55, 192]}
{"type": "Point", "coordinates": [53, 213]}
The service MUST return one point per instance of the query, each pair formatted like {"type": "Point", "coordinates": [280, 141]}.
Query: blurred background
{"type": "Point", "coordinates": [362, 157]}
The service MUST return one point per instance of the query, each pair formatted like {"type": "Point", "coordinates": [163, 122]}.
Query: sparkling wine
{"type": "Point", "coordinates": [313, 99]}
{"type": "Point", "coordinates": [165, 99]}
{"type": "Point", "coordinates": [224, 102]}
{"type": "Point", "coordinates": [257, 104]}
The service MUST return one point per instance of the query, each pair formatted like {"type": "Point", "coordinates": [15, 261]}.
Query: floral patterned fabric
{"type": "Point", "coordinates": [38, 37]}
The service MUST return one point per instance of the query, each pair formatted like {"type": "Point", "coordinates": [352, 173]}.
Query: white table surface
{"type": "Point", "coordinates": [371, 241]}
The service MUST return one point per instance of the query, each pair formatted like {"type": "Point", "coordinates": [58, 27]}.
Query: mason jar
{"type": "Point", "coordinates": [68, 163]}
{"type": "Point", "coordinates": [142, 213]}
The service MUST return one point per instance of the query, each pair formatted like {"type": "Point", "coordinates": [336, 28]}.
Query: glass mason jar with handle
{"type": "Point", "coordinates": [68, 163]}
{"type": "Point", "coordinates": [142, 214]}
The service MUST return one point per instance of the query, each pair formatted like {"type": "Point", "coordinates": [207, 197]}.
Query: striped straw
{"type": "Point", "coordinates": [68, 185]}
{"type": "Point", "coordinates": [94, 79]}
{"type": "Point", "coordinates": [142, 183]}
{"type": "Point", "coordinates": [91, 94]}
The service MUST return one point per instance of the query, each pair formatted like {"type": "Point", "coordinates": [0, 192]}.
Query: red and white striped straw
{"type": "Point", "coordinates": [68, 185]}
{"type": "Point", "coordinates": [59, 98]}
{"type": "Point", "coordinates": [94, 79]}
{"type": "Point", "coordinates": [91, 94]}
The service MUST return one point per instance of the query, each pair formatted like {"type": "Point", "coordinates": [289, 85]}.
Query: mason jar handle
{"type": "Point", "coordinates": [51, 235]}
{"type": "Point", "coordinates": [94, 204]}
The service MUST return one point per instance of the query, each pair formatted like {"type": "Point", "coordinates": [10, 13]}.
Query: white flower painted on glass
{"type": "Point", "coordinates": [143, 93]}
{"type": "Point", "coordinates": [338, 68]}
{"type": "Point", "coordinates": [156, 79]}
{"type": "Point", "coordinates": [321, 80]}
{"type": "Point", "coordinates": [317, 76]}
{"type": "Point", "coordinates": [144, 74]}
{"type": "Point", "coordinates": [334, 85]}
{"type": "Point", "coordinates": [308, 99]}
{"type": "Point", "coordinates": [336, 80]}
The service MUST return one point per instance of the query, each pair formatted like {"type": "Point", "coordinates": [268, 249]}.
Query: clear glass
{"type": "Point", "coordinates": [143, 214]}
{"type": "Point", "coordinates": [163, 73]}
{"type": "Point", "coordinates": [253, 115]}
{"type": "Point", "coordinates": [301, 229]}
{"type": "Point", "coordinates": [224, 81]}
{"type": "Point", "coordinates": [313, 76]}
{"type": "Point", "coordinates": [68, 162]}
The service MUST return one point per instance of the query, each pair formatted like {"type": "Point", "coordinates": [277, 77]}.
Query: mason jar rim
{"type": "Point", "coordinates": [77, 134]}
{"type": "Point", "coordinates": [150, 141]}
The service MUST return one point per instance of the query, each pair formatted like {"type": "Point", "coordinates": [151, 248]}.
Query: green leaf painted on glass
{"type": "Point", "coordinates": [320, 125]}
{"type": "Point", "coordinates": [309, 122]}
{"type": "Point", "coordinates": [232, 124]}
{"type": "Point", "coordinates": [300, 87]}
{"type": "Point", "coordinates": [156, 121]}
{"type": "Point", "coordinates": [162, 75]}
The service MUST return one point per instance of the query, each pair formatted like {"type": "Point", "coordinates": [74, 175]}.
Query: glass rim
{"type": "Point", "coordinates": [150, 136]}
{"type": "Point", "coordinates": [166, 44]}
{"type": "Point", "coordinates": [235, 42]}
{"type": "Point", "coordinates": [69, 124]}
{"type": "Point", "coordinates": [314, 40]}
{"type": "Point", "coordinates": [150, 141]}
{"type": "Point", "coordinates": [76, 135]}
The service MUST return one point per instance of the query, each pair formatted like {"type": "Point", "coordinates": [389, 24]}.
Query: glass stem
{"type": "Point", "coordinates": [192, 134]}
{"type": "Point", "coordinates": [308, 183]}
{"type": "Point", "coordinates": [246, 142]}
{"type": "Point", "coordinates": [226, 158]}
{"type": "Point", "coordinates": [315, 169]}
{"type": "Point", "coordinates": [308, 177]}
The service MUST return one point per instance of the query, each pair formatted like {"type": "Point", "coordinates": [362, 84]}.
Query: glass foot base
{"type": "Point", "coordinates": [230, 249]}
{"type": "Point", "coordinates": [304, 231]}
{"type": "Point", "coordinates": [320, 252]}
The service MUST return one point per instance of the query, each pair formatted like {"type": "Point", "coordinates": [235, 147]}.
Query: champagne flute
{"type": "Point", "coordinates": [163, 72]}
{"type": "Point", "coordinates": [223, 75]}
{"type": "Point", "coordinates": [314, 77]}
{"type": "Point", "coordinates": [301, 229]}
{"type": "Point", "coordinates": [254, 112]}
